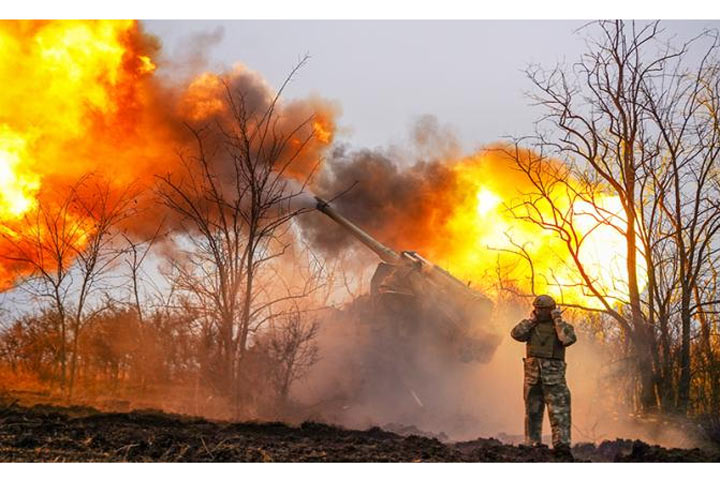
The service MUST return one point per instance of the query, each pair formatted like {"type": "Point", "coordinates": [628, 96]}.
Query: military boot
{"type": "Point", "coordinates": [563, 453]}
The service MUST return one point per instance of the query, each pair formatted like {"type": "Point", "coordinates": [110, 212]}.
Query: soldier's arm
{"type": "Point", "coordinates": [521, 331]}
{"type": "Point", "coordinates": [565, 331]}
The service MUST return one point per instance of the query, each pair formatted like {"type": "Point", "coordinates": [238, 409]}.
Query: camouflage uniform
{"type": "Point", "coordinates": [545, 377]}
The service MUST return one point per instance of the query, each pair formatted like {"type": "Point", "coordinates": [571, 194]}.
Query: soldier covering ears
{"type": "Point", "coordinates": [546, 336]}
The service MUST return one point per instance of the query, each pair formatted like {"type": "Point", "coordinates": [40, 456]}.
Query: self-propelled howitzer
{"type": "Point", "coordinates": [426, 300]}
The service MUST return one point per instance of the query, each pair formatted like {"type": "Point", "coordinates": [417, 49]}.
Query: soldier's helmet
{"type": "Point", "coordinates": [544, 301]}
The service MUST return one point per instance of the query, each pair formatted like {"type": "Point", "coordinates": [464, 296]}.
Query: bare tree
{"type": "Point", "coordinates": [43, 245]}
{"type": "Point", "coordinates": [234, 204]}
{"type": "Point", "coordinates": [632, 119]}
{"type": "Point", "coordinates": [102, 210]}
{"type": "Point", "coordinates": [292, 350]}
{"type": "Point", "coordinates": [683, 110]}
{"type": "Point", "coordinates": [64, 248]}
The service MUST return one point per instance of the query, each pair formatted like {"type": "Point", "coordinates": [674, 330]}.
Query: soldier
{"type": "Point", "coordinates": [546, 336]}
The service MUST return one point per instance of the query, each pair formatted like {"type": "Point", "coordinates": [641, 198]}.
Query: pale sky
{"type": "Point", "coordinates": [385, 74]}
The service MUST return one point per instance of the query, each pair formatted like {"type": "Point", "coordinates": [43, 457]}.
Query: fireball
{"type": "Point", "coordinates": [484, 242]}
{"type": "Point", "coordinates": [69, 88]}
{"type": "Point", "coordinates": [81, 100]}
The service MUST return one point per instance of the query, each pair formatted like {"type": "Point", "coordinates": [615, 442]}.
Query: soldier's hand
{"type": "Point", "coordinates": [557, 316]}
{"type": "Point", "coordinates": [533, 317]}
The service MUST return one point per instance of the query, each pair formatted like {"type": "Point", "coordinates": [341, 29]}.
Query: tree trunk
{"type": "Point", "coordinates": [684, 383]}
{"type": "Point", "coordinates": [63, 355]}
{"type": "Point", "coordinates": [73, 359]}
{"type": "Point", "coordinates": [646, 372]}
{"type": "Point", "coordinates": [667, 401]}
{"type": "Point", "coordinates": [642, 334]}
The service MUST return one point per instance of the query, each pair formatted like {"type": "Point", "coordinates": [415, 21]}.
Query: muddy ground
{"type": "Point", "coordinates": [44, 433]}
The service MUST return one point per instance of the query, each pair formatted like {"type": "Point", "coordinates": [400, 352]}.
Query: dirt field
{"type": "Point", "coordinates": [55, 434]}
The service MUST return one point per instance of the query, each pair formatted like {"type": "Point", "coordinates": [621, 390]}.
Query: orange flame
{"type": "Point", "coordinates": [323, 131]}
{"type": "Point", "coordinates": [480, 238]}
{"type": "Point", "coordinates": [64, 85]}
{"type": "Point", "coordinates": [81, 98]}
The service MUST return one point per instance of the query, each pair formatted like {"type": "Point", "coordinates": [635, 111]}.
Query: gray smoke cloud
{"type": "Point", "coordinates": [396, 204]}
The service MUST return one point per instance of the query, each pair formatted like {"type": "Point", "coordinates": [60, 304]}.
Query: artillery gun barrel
{"type": "Point", "coordinates": [432, 272]}
{"type": "Point", "coordinates": [387, 255]}
{"type": "Point", "coordinates": [438, 275]}
{"type": "Point", "coordinates": [458, 311]}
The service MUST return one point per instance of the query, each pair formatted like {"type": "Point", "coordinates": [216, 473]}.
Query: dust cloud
{"type": "Point", "coordinates": [360, 382]}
